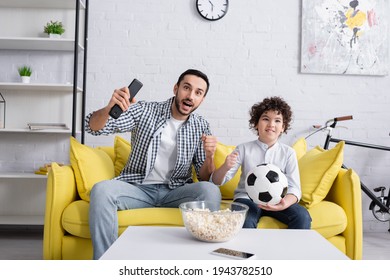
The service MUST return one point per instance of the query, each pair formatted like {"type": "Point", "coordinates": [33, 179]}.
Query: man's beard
{"type": "Point", "coordinates": [177, 105]}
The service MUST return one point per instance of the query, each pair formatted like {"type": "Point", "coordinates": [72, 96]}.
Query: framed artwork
{"type": "Point", "coordinates": [345, 37]}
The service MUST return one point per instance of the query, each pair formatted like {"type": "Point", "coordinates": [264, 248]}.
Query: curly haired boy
{"type": "Point", "coordinates": [269, 119]}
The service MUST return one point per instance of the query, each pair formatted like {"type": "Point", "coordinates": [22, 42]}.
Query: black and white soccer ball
{"type": "Point", "coordinates": [266, 184]}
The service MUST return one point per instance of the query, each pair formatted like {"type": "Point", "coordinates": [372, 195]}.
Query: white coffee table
{"type": "Point", "coordinates": [175, 243]}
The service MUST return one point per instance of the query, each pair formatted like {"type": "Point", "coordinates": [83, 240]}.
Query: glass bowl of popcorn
{"type": "Point", "coordinates": [212, 222]}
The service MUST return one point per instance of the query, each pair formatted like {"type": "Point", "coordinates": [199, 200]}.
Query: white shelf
{"type": "Point", "coordinates": [39, 87]}
{"type": "Point", "coordinates": [22, 220]}
{"type": "Point", "coordinates": [22, 192]}
{"type": "Point", "coordinates": [36, 43]}
{"type": "Point", "coordinates": [20, 175]}
{"type": "Point", "coordinates": [50, 4]}
{"type": "Point", "coordinates": [26, 130]}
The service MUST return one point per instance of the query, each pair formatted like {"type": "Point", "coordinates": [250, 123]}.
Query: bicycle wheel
{"type": "Point", "coordinates": [380, 215]}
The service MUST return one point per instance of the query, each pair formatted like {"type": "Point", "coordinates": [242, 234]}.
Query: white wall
{"type": "Point", "coordinates": [253, 52]}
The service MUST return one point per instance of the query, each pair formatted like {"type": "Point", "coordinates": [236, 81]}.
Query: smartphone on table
{"type": "Point", "coordinates": [233, 254]}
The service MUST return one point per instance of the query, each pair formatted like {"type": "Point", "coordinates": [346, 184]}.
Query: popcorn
{"type": "Point", "coordinates": [217, 226]}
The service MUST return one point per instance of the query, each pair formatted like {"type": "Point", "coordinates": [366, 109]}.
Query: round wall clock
{"type": "Point", "coordinates": [212, 9]}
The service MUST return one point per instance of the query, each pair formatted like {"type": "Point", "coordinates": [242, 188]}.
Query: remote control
{"type": "Point", "coordinates": [134, 87]}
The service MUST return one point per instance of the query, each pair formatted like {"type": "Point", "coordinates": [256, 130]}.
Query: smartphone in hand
{"type": "Point", "coordinates": [134, 87]}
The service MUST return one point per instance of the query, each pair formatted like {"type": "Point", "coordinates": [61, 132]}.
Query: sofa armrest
{"type": "Point", "coordinates": [60, 192]}
{"type": "Point", "coordinates": [346, 192]}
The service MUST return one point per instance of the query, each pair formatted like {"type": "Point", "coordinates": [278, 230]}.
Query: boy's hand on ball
{"type": "Point", "coordinates": [284, 203]}
{"type": "Point", "coordinates": [277, 207]}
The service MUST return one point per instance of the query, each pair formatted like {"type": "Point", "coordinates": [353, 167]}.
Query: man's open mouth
{"type": "Point", "coordinates": [187, 104]}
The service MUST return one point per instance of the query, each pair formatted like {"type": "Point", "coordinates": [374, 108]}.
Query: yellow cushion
{"type": "Point", "coordinates": [109, 150]}
{"type": "Point", "coordinates": [318, 169]}
{"type": "Point", "coordinates": [329, 219]}
{"type": "Point", "coordinates": [300, 147]}
{"type": "Point", "coordinates": [122, 149]}
{"type": "Point", "coordinates": [155, 216]}
{"type": "Point", "coordinates": [90, 165]}
{"type": "Point", "coordinates": [75, 218]}
{"type": "Point", "coordinates": [267, 222]}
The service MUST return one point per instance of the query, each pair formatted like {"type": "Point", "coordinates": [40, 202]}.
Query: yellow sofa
{"type": "Point", "coordinates": [336, 211]}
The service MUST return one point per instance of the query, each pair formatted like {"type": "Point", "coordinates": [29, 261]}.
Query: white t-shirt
{"type": "Point", "coordinates": [167, 154]}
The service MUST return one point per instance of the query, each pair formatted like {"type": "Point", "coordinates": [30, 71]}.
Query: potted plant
{"type": "Point", "coordinates": [54, 28]}
{"type": "Point", "coordinates": [25, 72]}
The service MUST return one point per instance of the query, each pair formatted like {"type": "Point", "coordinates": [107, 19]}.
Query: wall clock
{"type": "Point", "coordinates": [212, 9]}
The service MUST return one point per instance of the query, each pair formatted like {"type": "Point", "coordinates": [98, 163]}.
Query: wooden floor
{"type": "Point", "coordinates": [26, 244]}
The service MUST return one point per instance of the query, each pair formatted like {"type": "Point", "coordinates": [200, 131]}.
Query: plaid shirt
{"type": "Point", "coordinates": [146, 121]}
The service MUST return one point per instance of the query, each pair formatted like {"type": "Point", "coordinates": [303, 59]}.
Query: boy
{"type": "Point", "coordinates": [269, 119]}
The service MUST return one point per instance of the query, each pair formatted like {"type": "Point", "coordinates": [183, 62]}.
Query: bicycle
{"type": "Point", "coordinates": [380, 205]}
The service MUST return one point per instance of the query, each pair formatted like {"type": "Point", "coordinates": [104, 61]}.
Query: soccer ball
{"type": "Point", "coordinates": [266, 184]}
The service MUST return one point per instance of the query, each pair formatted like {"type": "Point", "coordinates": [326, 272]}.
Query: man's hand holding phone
{"type": "Point", "coordinates": [123, 98]}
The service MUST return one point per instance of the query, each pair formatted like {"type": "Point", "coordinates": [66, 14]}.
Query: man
{"type": "Point", "coordinates": [167, 139]}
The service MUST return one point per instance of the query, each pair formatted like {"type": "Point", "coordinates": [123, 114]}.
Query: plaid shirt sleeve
{"type": "Point", "coordinates": [125, 123]}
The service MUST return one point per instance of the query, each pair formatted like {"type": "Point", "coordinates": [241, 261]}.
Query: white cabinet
{"type": "Point", "coordinates": [56, 94]}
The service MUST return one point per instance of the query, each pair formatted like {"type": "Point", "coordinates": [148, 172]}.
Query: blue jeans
{"type": "Point", "coordinates": [295, 216]}
{"type": "Point", "coordinates": [107, 197]}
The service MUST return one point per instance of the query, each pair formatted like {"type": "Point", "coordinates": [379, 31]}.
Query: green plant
{"type": "Point", "coordinates": [25, 71]}
{"type": "Point", "coordinates": [54, 27]}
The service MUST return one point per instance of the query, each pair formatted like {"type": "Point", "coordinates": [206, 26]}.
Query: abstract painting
{"type": "Point", "coordinates": [345, 37]}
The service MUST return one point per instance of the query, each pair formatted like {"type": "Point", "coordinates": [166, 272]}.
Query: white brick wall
{"type": "Point", "coordinates": [253, 52]}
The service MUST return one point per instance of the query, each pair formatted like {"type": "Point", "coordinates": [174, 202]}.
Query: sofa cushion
{"type": "Point", "coordinates": [90, 165]}
{"type": "Point", "coordinates": [156, 216]}
{"type": "Point", "coordinates": [109, 150]}
{"type": "Point", "coordinates": [122, 149]}
{"type": "Point", "coordinates": [75, 219]}
{"type": "Point", "coordinates": [318, 169]}
{"type": "Point", "coordinates": [329, 219]}
{"type": "Point", "coordinates": [76, 216]}
{"type": "Point", "coordinates": [300, 148]}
